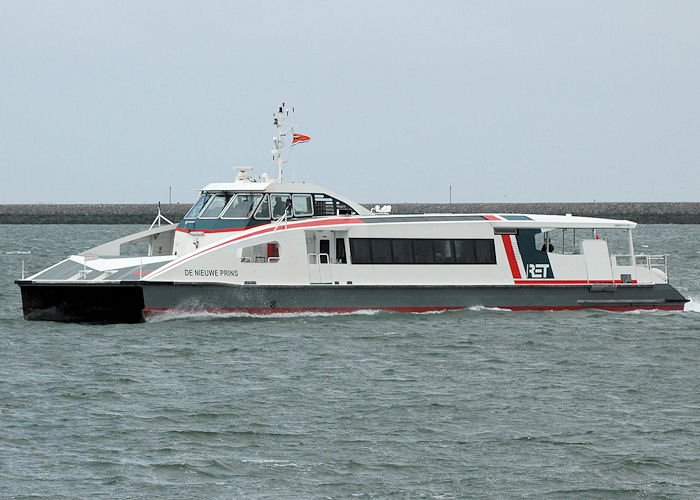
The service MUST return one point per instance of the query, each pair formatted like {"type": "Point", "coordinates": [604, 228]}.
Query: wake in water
{"type": "Point", "coordinates": [18, 252]}
{"type": "Point", "coordinates": [693, 305]}
{"type": "Point", "coordinates": [175, 315]}
{"type": "Point", "coordinates": [207, 316]}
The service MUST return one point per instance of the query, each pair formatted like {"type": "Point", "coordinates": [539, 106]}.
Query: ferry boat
{"type": "Point", "coordinates": [264, 246]}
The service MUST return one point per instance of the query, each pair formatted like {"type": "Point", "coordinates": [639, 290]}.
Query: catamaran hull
{"type": "Point", "coordinates": [134, 302]}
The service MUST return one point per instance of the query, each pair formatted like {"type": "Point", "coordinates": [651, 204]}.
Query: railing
{"type": "Point", "coordinates": [644, 261]}
{"type": "Point", "coordinates": [653, 262]}
{"type": "Point", "coordinates": [282, 219]}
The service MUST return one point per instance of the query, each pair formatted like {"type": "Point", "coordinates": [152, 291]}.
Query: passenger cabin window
{"type": "Point", "coordinates": [381, 251]}
{"type": "Point", "coordinates": [197, 207]}
{"type": "Point", "coordinates": [263, 253]}
{"type": "Point", "coordinates": [302, 205]}
{"type": "Point", "coordinates": [402, 251]}
{"type": "Point", "coordinates": [215, 206]}
{"type": "Point", "coordinates": [241, 206]}
{"type": "Point", "coordinates": [263, 211]}
{"type": "Point", "coordinates": [422, 251]}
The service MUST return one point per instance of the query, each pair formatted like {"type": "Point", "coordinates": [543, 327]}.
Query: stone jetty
{"type": "Point", "coordinates": [641, 212]}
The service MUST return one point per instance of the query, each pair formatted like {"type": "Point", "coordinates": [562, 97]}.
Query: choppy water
{"type": "Point", "coordinates": [370, 405]}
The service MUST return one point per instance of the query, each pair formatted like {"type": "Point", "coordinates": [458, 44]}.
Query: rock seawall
{"type": "Point", "coordinates": [644, 213]}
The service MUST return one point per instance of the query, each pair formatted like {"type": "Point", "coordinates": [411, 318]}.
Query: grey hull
{"type": "Point", "coordinates": [405, 297]}
{"type": "Point", "coordinates": [132, 302]}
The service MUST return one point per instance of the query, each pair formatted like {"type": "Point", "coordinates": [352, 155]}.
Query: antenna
{"type": "Point", "coordinates": [283, 130]}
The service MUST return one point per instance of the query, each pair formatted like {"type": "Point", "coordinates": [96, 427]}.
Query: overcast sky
{"type": "Point", "coordinates": [109, 102]}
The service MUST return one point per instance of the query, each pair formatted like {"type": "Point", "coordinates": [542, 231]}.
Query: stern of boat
{"type": "Point", "coordinates": [90, 302]}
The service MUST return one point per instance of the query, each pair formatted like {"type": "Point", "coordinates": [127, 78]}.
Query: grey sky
{"type": "Point", "coordinates": [505, 101]}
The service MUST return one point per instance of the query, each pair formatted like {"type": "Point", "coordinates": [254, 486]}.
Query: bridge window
{"type": "Point", "coordinates": [280, 204]}
{"type": "Point", "coordinates": [241, 206]}
{"type": "Point", "coordinates": [263, 211]}
{"type": "Point", "coordinates": [302, 204]}
{"type": "Point", "coordinates": [197, 207]}
{"type": "Point", "coordinates": [215, 206]}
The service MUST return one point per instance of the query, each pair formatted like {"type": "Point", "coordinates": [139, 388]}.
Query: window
{"type": "Point", "coordinates": [381, 251]}
{"type": "Point", "coordinates": [197, 207]}
{"type": "Point", "coordinates": [280, 204]}
{"type": "Point", "coordinates": [422, 251]}
{"type": "Point", "coordinates": [402, 251]}
{"type": "Point", "coordinates": [325, 205]}
{"type": "Point", "coordinates": [302, 204]}
{"type": "Point", "coordinates": [216, 205]}
{"type": "Point", "coordinates": [464, 252]}
{"type": "Point", "coordinates": [443, 251]}
{"type": "Point", "coordinates": [485, 252]}
{"type": "Point", "coordinates": [360, 251]}
{"type": "Point", "coordinates": [340, 256]}
{"type": "Point", "coordinates": [241, 206]}
{"type": "Point", "coordinates": [263, 211]}
{"type": "Point", "coordinates": [262, 253]}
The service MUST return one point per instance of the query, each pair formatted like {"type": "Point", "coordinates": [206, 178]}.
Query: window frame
{"type": "Point", "coordinates": [206, 207]}
{"type": "Point", "coordinates": [289, 197]}
{"type": "Point", "coordinates": [265, 197]}
{"type": "Point", "coordinates": [308, 197]}
{"type": "Point", "coordinates": [250, 212]}
{"type": "Point", "coordinates": [201, 209]}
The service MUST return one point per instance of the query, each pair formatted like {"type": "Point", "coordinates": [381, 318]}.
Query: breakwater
{"type": "Point", "coordinates": [642, 212]}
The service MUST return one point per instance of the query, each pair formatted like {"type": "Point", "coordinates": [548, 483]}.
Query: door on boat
{"type": "Point", "coordinates": [319, 245]}
{"type": "Point", "coordinates": [597, 260]}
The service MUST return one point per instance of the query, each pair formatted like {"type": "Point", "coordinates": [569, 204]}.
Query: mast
{"type": "Point", "coordinates": [283, 130]}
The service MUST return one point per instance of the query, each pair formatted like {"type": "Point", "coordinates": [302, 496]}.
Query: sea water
{"type": "Point", "coordinates": [472, 403]}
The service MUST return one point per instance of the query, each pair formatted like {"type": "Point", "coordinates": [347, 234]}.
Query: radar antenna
{"type": "Point", "coordinates": [283, 130]}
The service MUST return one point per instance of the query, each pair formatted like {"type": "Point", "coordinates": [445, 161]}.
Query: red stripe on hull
{"type": "Point", "coordinates": [665, 307]}
{"type": "Point", "coordinates": [262, 311]}
{"type": "Point", "coordinates": [570, 282]}
{"type": "Point", "coordinates": [152, 311]}
{"type": "Point", "coordinates": [224, 230]}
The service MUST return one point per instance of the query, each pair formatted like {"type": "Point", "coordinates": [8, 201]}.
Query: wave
{"type": "Point", "coordinates": [208, 315]}
{"type": "Point", "coordinates": [18, 252]}
{"type": "Point", "coordinates": [470, 308]}
{"type": "Point", "coordinates": [484, 308]}
{"type": "Point", "coordinates": [693, 305]}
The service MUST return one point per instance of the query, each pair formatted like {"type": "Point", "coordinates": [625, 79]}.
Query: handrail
{"type": "Point", "coordinates": [647, 261]}
{"type": "Point", "coordinates": [279, 221]}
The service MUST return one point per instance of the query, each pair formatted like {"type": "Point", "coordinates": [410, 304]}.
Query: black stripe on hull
{"type": "Point", "coordinates": [128, 303]}
{"type": "Point", "coordinates": [82, 303]}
